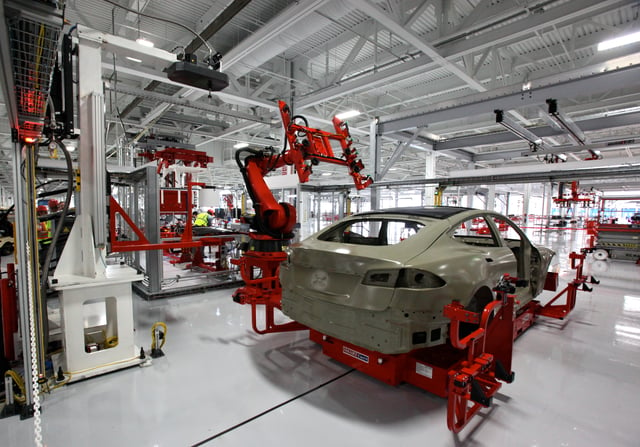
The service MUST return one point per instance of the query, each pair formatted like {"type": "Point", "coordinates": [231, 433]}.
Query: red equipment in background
{"type": "Point", "coordinates": [274, 222]}
{"type": "Point", "coordinates": [172, 155]}
{"type": "Point", "coordinates": [586, 200]}
{"type": "Point", "coordinates": [614, 237]}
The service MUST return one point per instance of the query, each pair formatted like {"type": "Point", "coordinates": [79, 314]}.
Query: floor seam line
{"type": "Point", "coordinates": [269, 410]}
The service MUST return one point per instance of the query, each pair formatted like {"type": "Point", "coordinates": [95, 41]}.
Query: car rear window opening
{"type": "Point", "coordinates": [373, 231]}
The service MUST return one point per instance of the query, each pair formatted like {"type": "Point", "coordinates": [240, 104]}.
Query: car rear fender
{"type": "Point", "coordinates": [465, 271]}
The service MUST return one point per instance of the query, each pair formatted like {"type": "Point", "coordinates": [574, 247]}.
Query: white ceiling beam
{"type": "Point", "coordinates": [227, 95]}
{"type": "Point", "coordinates": [398, 29]}
{"type": "Point", "coordinates": [185, 101]}
{"type": "Point", "coordinates": [253, 49]}
{"type": "Point", "coordinates": [509, 98]}
{"type": "Point", "coordinates": [543, 69]}
{"type": "Point", "coordinates": [524, 170]}
{"type": "Point", "coordinates": [241, 127]}
{"type": "Point", "coordinates": [397, 153]}
{"type": "Point", "coordinates": [236, 61]}
{"type": "Point", "coordinates": [454, 48]}
{"type": "Point", "coordinates": [417, 12]}
{"type": "Point", "coordinates": [355, 50]}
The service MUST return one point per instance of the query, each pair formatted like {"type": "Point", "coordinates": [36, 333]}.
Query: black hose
{"type": "Point", "coordinates": [52, 246]}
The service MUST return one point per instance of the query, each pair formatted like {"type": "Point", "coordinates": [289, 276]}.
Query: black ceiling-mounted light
{"type": "Point", "coordinates": [205, 76]}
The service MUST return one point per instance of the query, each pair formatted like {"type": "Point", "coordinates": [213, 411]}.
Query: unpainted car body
{"type": "Point", "coordinates": [380, 279]}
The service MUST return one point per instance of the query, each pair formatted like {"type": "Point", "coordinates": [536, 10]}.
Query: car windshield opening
{"type": "Point", "coordinates": [372, 231]}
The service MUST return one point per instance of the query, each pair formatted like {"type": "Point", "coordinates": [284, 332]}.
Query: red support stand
{"type": "Point", "coordinates": [560, 311]}
{"type": "Point", "coordinates": [9, 302]}
{"type": "Point", "coordinates": [468, 371]}
{"type": "Point", "coordinates": [260, 273]}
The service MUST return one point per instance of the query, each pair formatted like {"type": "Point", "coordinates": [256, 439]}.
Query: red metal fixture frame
{"type": "Point", "coordinates": [575, 197]}
{"type": "Point", "coordinates": [260, 273]}
{"type": "Point", "coordinates": [142, 243]}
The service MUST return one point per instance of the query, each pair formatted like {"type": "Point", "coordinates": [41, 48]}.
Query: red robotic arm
{"type": "Point", "coordinates": [304, 148]}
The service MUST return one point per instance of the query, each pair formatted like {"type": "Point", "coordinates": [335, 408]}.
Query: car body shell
{"type": "Point", "coordinates": [354, 290]}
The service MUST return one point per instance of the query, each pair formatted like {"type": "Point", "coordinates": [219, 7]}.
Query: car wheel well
{"type": "Point", "coordinates": [481, 298]}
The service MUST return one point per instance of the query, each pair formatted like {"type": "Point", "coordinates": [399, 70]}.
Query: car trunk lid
{"type": "Point", "coordinates": [334, 272]}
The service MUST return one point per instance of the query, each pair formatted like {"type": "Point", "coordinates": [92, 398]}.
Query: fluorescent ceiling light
{"type": "Point", "coordinates": [134, 59]}
{"type": "Point", "coordinates": [432, 136]}
{"type": "Point", "coordinates": [347, 114]}
{"type": "Point", "coordinates": [240, 145]}
{"type": "Point", "coordinates": [623, 111]}
{"type": "Point", "coordinates": [326, 173]}
{"type": "Point", "coordinates": [144, 42]}
{"type": "Point", "coordinates": [619, 41]}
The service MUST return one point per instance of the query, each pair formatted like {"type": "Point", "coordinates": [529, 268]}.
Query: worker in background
{"type": "Point", "coordinates": [211, 218]}
{"type": "Point", "coordinates": [44, 227]}
{"type": "Point", "coordinates": [202, 220]}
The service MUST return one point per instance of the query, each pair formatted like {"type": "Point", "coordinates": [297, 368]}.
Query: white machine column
{"type": "Point", "coordinates": [91, 147]}
{"type": "Point", "coordinates": [525, 201]}
{"type": "Point", "coordinates": [374, 160]}
{"type": "Point", "coordinates": [490, 204]}
{"type": "Point", "coordinates": [429, 172]}
{"type": "Point", "coordinates": [95, 298]}
{"type": "Point", "coordinates": [548, 200]}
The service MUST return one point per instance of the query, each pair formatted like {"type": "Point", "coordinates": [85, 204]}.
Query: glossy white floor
{"type": "Point", "coordinates": [577, 384]}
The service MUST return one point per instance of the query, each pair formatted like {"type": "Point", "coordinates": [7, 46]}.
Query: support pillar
{"type": "Point", "coordinates": [547, 200]}
{"type": "Point", "coordinates": [490, 203]}
{"type": "Point", "coordinates": [153, 259]}
{"type": "Point", "coordinates": [525, 202]}
{"type": "Point", "coordinates": [374, 161]}
{"type": "Point", "coordinates": [429, 172]}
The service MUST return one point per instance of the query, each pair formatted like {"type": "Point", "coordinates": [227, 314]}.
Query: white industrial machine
{"type": "Point", "coordinates": [96, 298]}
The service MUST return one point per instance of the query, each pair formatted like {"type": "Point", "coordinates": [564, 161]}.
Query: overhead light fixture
{"type": "Point", "coordinates": [134, 59]}
{"type": "Point", "coordinates": [566, 123]}
{"type": "Point", "coordinates": [326, 173]}
{"type": "Point", "coordinates": [141, 40]}
{"type": "Point", "coordinates": [144, 42]}
{"type": "Point", "coordinates": [348, 114]}
{"type": "Point", "coordinates": [619, 41]}
{"type": "Point", "coordinates": [622, 111]}
{"type": "Point", "coordinates": [432, 136]}
{"type": "Point", "coordinates": [535, 141]}
{"type": "Point", "coordinates": [240, 145]}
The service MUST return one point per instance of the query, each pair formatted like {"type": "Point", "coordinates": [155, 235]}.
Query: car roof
{"type": "Point", "coordinates": [436, 212]}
